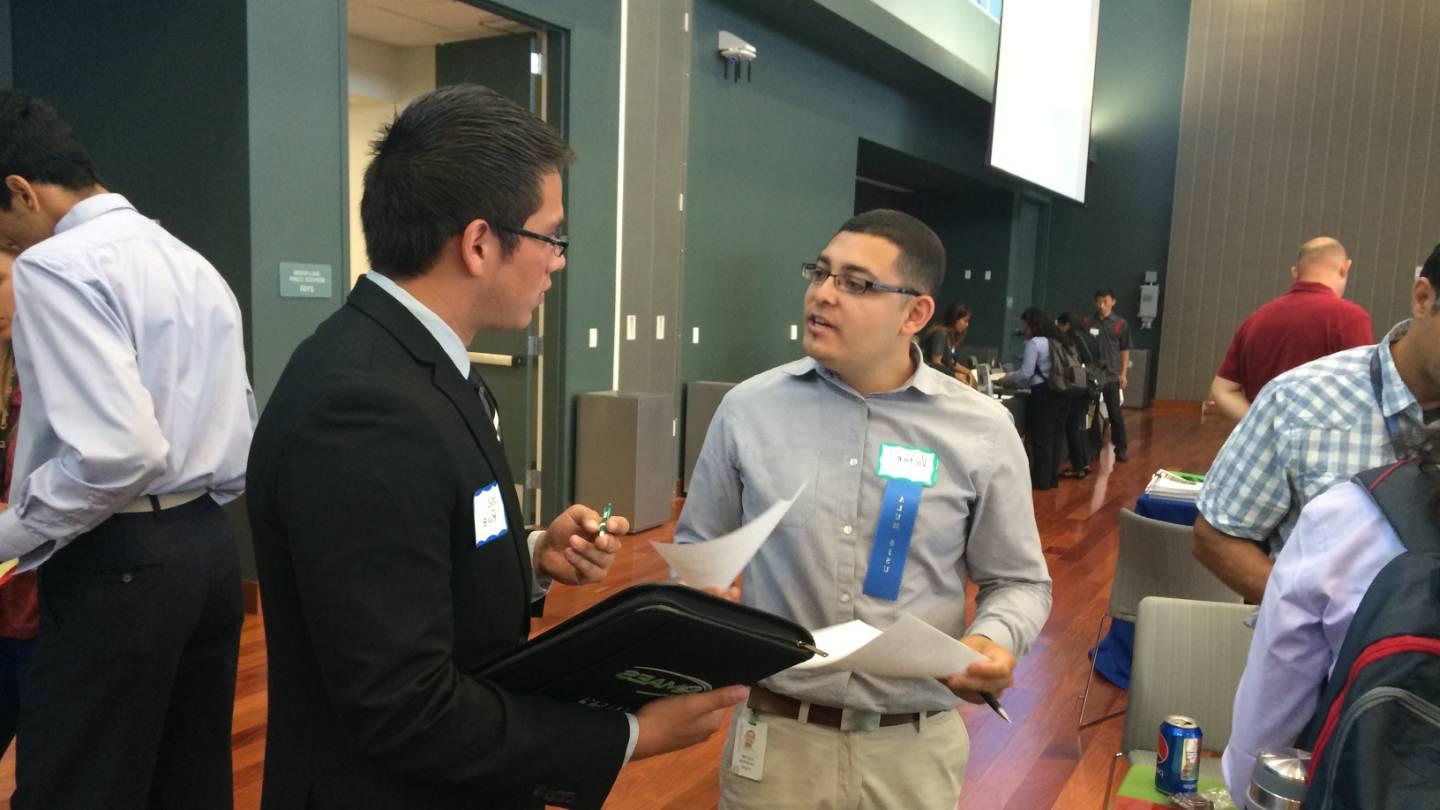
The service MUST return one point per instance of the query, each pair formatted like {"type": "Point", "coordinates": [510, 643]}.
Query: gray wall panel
{"type": "Point", "coordinates": [657, 93]}
{"type": "Point", "coordinates": [1299, 117]}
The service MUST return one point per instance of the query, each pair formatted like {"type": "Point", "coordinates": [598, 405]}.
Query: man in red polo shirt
{"type": "Point", "coordinates": [1310, 321]}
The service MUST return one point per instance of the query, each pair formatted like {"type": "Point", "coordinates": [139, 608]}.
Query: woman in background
{"type": "Point", "coordinates": [19, 604]}
{"type": "Point", "coordinates": [1075, 408]}
{"type": "Point", "coordinates": [942, 346]}
{"type": "Point", "coordinates": [1043, 411]}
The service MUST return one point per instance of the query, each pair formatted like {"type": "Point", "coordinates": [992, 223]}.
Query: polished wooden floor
{"type": "Point", "coordinates": [1039, 762]}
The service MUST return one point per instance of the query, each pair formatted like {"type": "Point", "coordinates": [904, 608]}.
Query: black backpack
{"type": "Point", "coordinates": [1375, 736]}
{"type": "Point", "coordinates": [1067, 374]}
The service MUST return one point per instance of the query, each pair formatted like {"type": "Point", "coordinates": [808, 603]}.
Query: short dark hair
{"type": "Point", "coordinates": [922, 256]}
{"type": "Point", "coordinates": [1105, 292]}
{"type": "Point", "coordinates": [454, 155]}
{"type": "Point", "coordinates": [1430, 270]}
{"type": "Point", "coordinates": [37, 144]}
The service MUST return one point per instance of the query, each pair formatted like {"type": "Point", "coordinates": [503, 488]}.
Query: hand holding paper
{"type": "Point", "coordinates": [716, 563]}
{"type": "Point", "coordinates": [993, 674]}
{"type": "Point", "coordinates": [910, 648]}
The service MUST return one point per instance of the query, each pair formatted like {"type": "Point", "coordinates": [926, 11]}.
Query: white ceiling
{"type": "Point", "coordinates": [413, 23]}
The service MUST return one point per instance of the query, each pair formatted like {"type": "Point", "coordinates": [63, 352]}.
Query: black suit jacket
{"type": "Point", "coordinates": [378, 605]}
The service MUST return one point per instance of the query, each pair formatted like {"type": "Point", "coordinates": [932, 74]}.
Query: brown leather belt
{"type": "Point", "coordinates": [764, 700]}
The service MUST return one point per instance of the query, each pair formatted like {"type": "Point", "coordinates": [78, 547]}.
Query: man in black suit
{"type": "Point", "coordinates": [393, 561]}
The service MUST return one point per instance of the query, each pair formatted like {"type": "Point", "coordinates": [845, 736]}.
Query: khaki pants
{"type": "Point", "coordinates": [917, 766]}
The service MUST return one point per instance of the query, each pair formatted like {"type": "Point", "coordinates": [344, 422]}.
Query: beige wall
{"type": "Point", "coordinates": [382, 80]}
{"type": "Point", "coordinates": [1300, 117]}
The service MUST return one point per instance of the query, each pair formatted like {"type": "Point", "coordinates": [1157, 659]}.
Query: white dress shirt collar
{"type": "Point", "coordinates": [450, 342]}
{"type": "Point", "coordinates": [90, 208]}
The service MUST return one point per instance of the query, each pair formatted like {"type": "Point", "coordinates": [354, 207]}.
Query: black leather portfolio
{"type": "Point", "coordinates": [652, 641]}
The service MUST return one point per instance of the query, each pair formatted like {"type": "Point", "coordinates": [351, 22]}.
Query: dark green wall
{"type": "Point", "coordinates": [224, 120]}
{"type": "Point", "coordinates": [976, 231]}
{"type": "Point", "coordinates": [588, 92]}
{"type": "Point", "coordinates": [157, 93]}
{"type": "Point", "coordinates": [502, 63]}
{"type": "Point", "coordinates": [296, 105]}
{"type": "Point", "coordinates": [1123, 230]}
{"type": "Point", "coordinates": [772, 175]}
{"type": "Point", "coordinates": [7, 62]}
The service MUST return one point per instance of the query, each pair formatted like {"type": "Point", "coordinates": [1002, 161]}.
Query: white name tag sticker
{"type": "Point", "coordinates": [489, 514]}
{"type": "Point", "coordinates": [908, 464]}
{"type": "Point", "coordinates": [1094, 332]}
{"type": "Point", "coordinates": [748, 759]}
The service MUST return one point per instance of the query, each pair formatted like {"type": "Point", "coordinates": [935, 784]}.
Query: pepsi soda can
{"type": "Point", "coordinates": [1177, 756]}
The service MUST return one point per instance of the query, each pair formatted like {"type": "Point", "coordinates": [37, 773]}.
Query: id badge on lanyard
{"type": "Point", "coordinates": [908, 471]}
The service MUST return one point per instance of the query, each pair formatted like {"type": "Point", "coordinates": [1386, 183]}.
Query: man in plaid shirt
{"type": "Point", "coordinates": [1312, 427]}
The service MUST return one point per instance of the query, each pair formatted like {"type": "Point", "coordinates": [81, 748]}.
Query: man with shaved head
{"type": "Point", "coordinates": [1310, 321]}
{"type": "Point", "coordinates": [1310, 428]}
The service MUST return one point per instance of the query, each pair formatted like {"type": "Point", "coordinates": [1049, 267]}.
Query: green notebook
{"type": "Point", "coordinates": [1139, 783]}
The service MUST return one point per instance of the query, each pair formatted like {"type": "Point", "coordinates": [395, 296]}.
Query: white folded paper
{"type": "Point", "coordinates": [909, 648]}
{"type": "Point", "coordinates": [716, 563]}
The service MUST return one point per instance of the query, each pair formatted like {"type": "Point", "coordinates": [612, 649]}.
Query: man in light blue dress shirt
{"type": "Point", "coordinates": [830, 426]}
{"type": "Point", "coordinates": [137, 421]}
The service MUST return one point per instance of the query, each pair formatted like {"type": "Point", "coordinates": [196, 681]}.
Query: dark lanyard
{"type": "Point", "coordinates": [1392, 424]}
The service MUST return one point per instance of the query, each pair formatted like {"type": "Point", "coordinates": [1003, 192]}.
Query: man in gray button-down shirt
{"type": "Point", "coordinates": [821, 422]}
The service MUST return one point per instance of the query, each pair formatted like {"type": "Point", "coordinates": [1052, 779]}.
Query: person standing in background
{"type": "Point", "coordinates": [1076, 407]}
{"type": "Point", "coordinates": [19, 605]}
{"type": "Point", "coordinates": [1045, 408]}
{"type": "Point", "coordinates": [137, 421]}
{"type": "Point", "coordinates": [942, 347]}
{"type": "Point", "coordinates": [1311, 428]}
{"type": "Point", "coordinates": [1112, 339]}
{"type": "Point", "coordinates": [1308, 322]}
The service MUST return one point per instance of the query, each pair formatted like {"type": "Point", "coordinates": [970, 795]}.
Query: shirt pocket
{"type": "Point", "coordinates": [773, 474]}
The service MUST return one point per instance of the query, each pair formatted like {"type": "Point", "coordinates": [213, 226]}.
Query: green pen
{"type": "Point", "coordinates": [605, 518]}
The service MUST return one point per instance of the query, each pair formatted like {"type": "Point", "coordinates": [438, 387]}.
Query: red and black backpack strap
{"type": "Point", "coordinates": [1403, 491]}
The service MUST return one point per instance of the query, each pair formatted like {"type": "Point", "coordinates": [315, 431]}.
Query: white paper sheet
{"type": "Point", "coordinates": [716, 563]}
{"type": "Point", "coordinates": [910, 648]}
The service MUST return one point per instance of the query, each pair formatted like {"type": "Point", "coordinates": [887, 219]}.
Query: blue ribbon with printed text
{"type": "Point", "coordinates": [892, 538]}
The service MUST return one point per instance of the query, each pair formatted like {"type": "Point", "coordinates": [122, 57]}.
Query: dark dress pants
{"type": "Point", "coordinates": [15, 655]}
{"type": "Point", "coordinates": [1042, 428]}
{"type": "Point", "coordinates": [1111, 392]}
{"type": "Point", "coordinates": [1078, 443]}
{"type": "Point", "coordinates": [133, 682]}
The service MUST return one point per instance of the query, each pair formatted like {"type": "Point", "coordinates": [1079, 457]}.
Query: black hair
{"type": "Point", "coordinates": [38, 145]}
{"type": "Point", "coordinates": [1041, 325]}
{"type": "Point", "coordinates": [1070, 337]}
{"type": "Point", "coordinates": [1430, 271]}
{"type": "Point", "coordinates": [922, 256]}
{"type": "Point", "coordinates": [1105, 292]}
{"type": "Point", "coordinates": [954, 313]}
{"type": "Point", "coordinates": [453, 156]}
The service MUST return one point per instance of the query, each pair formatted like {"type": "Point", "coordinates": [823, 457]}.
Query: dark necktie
{"type": "Point", "coordinates": [492, 409]}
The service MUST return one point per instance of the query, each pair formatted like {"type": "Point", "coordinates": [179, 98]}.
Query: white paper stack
{"type": "Point", "coordinates": [1164, 484]}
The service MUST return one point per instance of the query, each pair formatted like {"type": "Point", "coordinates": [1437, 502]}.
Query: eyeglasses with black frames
{"type": "Point", "coordinates": [559, 243]}
{"type": "Point", "coordinates": [852, 285]}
